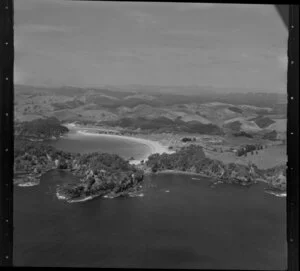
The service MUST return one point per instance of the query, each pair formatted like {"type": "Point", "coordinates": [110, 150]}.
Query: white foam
{"type": "Point", "coordinates": [81, 200]}
{"type": "Point", "coordinates": [108, 197]}
{"type": "Point", "coordinates": [28, 184]}
{"type": "Point", "coordinates": [60, 196]}
{"type": "Point", "coordinates": [276, 194]}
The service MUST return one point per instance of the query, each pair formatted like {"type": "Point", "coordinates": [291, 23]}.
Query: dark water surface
{"type": "Point", "coordinates": [179, 223]}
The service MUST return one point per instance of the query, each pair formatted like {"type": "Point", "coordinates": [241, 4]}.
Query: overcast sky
{"type": "Point", "coordinates": [61, 43]}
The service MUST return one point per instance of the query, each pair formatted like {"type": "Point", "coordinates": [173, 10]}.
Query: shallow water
{"type": "Point", "coordinates": [190, 226]}
{"type": "Point", "coordinates": [76, 142]}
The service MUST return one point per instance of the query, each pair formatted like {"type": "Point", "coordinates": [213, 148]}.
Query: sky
{"type": "Point", "coordinates": [94, 44]}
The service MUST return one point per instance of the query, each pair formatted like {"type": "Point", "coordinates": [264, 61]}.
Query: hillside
{"type": "Point", "coordinates": [262, 121]}
{"type": "Point", "coordinates": [202, 113]}
{"type": "Point", "coordinates": [163, 125]}
{"type": "Point", "coordinates": [40, 129]}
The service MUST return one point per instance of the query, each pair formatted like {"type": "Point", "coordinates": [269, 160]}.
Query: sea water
{"type": "Point", "coordinates": [191, 226]}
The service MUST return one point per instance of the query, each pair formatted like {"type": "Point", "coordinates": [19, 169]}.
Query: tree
{"type": "Point", "coordinates": [154, 168]}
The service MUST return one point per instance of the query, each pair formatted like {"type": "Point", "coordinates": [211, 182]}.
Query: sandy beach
{"type": "Point", "coordinates": [154, 146]}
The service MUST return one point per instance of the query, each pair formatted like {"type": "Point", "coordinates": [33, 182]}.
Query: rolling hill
{"type": "Point", "coordinates": [205, 112]}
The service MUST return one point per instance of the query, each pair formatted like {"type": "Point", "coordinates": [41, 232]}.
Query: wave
{"type": "Point", "coordinates": [80, 200]}
{"type": "Point", "coordinates": [136, 195]}
{"type": "Point", "coordinates": [276, 194]}
{"type": "Point", "coordinates": [28, 184]}
{"type": "Point", "coordinates": [60, 196]}
{"type": "Point", "coordinates": [63, 197]}
{"type": "Point", "coordinates": [108, 197]}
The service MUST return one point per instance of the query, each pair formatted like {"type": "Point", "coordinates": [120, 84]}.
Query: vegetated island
{"type": "Point", "coordinates": [109, 175]}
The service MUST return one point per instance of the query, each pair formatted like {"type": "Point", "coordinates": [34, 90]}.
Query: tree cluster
{"type": "Point", "coordinates": [185, 159]}
{"type": "Point", "coordinates": [248, 148]}
{"type": "Point", "coordinates": [40, 128]}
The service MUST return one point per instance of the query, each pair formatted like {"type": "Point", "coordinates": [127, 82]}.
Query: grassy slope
{"type": "Point", "coordinates": [71, 104]}
{"type": "Point", "coordinates": [266, 158]}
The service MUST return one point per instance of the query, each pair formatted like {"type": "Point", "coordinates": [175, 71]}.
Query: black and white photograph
{"type": "Point", "coordinates": [150, 135]}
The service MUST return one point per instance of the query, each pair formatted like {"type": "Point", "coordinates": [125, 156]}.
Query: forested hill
{"type": "Point", "coordinates": [163, 124]}
{"type": "Point", "coordinates": [40, 129]}
{"type": "Point", "coordinates": [192, 159]}
{"type": "Point", "coordinates": [101, 173]}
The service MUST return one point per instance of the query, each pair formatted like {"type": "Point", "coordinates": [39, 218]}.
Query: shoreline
{"type": "Point", "coordinates": [172, 171]}
{"type": "Point", "coordinates": [279, 194]}
{"type": "Point", "coordinates": [153, 146]}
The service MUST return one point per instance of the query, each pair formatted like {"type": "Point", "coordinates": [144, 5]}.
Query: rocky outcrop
{"type": "Point", "coordinates": [276, 178]}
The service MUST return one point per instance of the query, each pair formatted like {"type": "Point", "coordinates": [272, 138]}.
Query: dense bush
{"type": "Point", "coordinates": [186, 139]}
{"type": "Point", "coordinates": [163, 124]}
{"type": "Point", "coordinates": [262, 121]}
{"type": "Point", "coordinates": [248, 148]}
{"type": "Point", "coordinates": [270, 135]}
{"type": "Point", "coordinates": [236, 109]}
{"type": "Point", "coordinates": [242, 133]}
{"type": "Point", "coordinates": [185, 159]}
{"type": "Point", "coordinates": [40, 128]}
{"type": "Point", "coordinates": [235, 125]}
{"type": "Point", "coordinates": [67, 105]}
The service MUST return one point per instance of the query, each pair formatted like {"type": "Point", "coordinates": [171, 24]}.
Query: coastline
{"type": "Point", "coordinates": [156, 147]}
{"type": "Point", "coordinates": [153, 146]}
{"type": "Point", "coordinates": [172, 171]}
{"type": "Point", "coordinates": [279, 194]}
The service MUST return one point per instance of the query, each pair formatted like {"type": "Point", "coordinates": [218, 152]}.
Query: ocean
{"type": "Point", "coordinates": [178, 221]}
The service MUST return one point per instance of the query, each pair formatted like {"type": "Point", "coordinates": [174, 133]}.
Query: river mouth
{"type": "Point", "coordinates": [179, 221]}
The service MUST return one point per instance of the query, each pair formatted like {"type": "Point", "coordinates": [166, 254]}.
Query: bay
{"type": "Point", "coordinates": [179, 222]}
